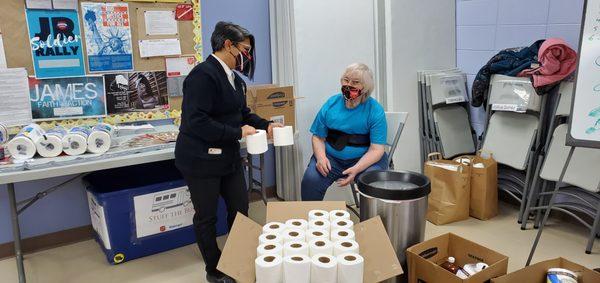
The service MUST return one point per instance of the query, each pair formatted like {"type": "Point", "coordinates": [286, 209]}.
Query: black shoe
{"type": "Point", "coordinates": [218, 277]}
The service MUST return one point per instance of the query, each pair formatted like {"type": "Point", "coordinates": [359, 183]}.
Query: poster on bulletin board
{"type": "Point", "coordinates": [56, 47]}
{"type": "Point", "coordinates": [136, 91]}
{"type": "Point", "coordinates": [107, 36]}
{"type": "Point", "coordinates": [67, 98]}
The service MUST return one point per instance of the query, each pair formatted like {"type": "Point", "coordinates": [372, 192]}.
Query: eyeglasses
{"type": "Point", "coordinates": [352, 82]}
{"type": "Point", "coordinates": [247, 48]}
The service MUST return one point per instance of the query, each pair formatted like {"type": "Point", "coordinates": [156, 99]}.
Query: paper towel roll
{"type": "Point", "coordinates": [342, 234]}
{"type": "Point", "coordinates": [297, 224]}
{"type": "Point", "coordinates": [270, 238]}
{"type": "Point", "coordinates": [75, 141]}
{"type": "Point", "coordinates": [318, 214]}
{"type": "Point", "coordinates": [22, 146]}
{"type": "Point", "coordinates": [274, 227]}
{"type": "Point", "coordinates": [100, 139]}
{"type": "Point", "coordinates": [50, 145]}
{"type": "Point", "coordinates": [350, 268]}
{"type": "Point", "coordinates": [296, 269]}
{"type": "Point", "coordinates": [291, 235]}
{"type": "Point", "coordinates": [320, 246]}
{"type": "Point", "coordinates": [270, 249]}
{"type": "Point", "coordinates": [323, 269]}
{"type": "Point", "coordinates": [338, 214]}
{"type": "Point", "coordinates": [283, 136]}
{"type": "Point", "coordinates": [321, 224]}
{"type": "Point", "coordinates": [3, 133]}
{"type": "Point", "coordinates": [346, 246]}
{"type": "Point", "coordinates": [342, 223]}
{"type": "Point", "coordinates": [257, 143]}
{"type": "Point", "coordinates": [312, 234]}
{"type": "Point", "coordinates": [295, 248]}
{"type": "Point", "coordinates": [269, 269]}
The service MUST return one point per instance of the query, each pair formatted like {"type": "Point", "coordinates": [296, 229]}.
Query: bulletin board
{"type": "Point", "coordinates": [18, 52]}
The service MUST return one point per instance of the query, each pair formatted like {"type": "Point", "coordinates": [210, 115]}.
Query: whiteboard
{"type": "Point", "coordinates": [584, 125]}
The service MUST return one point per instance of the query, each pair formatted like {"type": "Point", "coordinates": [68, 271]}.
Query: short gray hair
{"type": "Point", "coordinates": [366, 77]}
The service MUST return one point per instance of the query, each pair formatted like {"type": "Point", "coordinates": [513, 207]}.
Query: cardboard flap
{"type": "Point", "coordinates": [284, 210]}
{"type": "Point", "coordinates": [381, 262]}
{"type": "Point", "coordinates": [237, 259]}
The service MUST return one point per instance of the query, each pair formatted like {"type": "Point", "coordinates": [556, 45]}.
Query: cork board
{"type": "Point", "coordinates": [16, 39]}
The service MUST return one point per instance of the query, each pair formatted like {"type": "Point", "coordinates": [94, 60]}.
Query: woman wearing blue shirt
{"type": "Point", "coordinates": [349, 134]}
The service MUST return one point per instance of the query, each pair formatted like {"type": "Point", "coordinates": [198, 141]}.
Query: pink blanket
{"type": "Point", "coordinates": [557, 61]}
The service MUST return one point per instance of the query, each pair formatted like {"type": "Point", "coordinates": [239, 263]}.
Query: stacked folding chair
{"type": "Point", "coordinates": [444, 119]}
{"type": "Point", "coordinates": [579, 195]}
{"type": "Point", "coordinates": [514, 133]}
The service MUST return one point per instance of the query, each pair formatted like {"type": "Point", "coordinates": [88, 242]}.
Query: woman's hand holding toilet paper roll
{"type": "Point", "coordinates": [270, 129]}
{"type": "Point", "coordinates": [248, 130]}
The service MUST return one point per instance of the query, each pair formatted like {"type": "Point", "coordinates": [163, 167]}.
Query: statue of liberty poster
{"type": "Point", "coordinates": [107, 36]}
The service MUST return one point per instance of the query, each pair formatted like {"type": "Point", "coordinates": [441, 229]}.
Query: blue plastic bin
{"type": "Point", "coordinates": [111, 195]}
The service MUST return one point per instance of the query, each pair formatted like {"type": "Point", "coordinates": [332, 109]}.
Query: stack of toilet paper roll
{"type": "Point", "coordinates": [320, 249]}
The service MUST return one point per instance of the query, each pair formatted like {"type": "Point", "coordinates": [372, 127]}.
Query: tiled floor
{"type": "Point", "coordinates": [84, 262]}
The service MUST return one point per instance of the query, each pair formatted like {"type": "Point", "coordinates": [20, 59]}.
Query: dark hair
{"type": "Point", "coordinates": [236, 34]}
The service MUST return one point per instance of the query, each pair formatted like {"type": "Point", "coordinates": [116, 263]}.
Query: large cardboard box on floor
{"type": "Point", "coordinates": [537, 273]}
{"type": "Point", "coordinates": [273, 103]}
{"type": "Point", "coordinates": [424, 260]}
{"type": "Point", "coordinates": [237, 259]}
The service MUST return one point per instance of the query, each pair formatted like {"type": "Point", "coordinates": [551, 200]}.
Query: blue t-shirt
{"type": "Point", "coordinates": [367, 118]}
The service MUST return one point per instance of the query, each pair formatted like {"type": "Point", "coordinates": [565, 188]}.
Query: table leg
{"type": "Point", "coordinates": [16, 231]}
{"type": "Point", "coordinates": [263, 190]}
{"type": "Point", "coordinates": [250, 177]}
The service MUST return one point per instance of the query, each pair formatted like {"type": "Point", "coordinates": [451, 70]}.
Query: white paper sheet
{"type": "Point", "coordinates": [2, 54]}
{"type": "Point", "coordinates": [64, 4]}
{"type": "Point", "coordinates": [179, 66]}
{"type": "Point", "coordinates": [160, 23]}
{"type": "Point", "coordinates": [15, 108]}
{"type": "Point", "coordinates": [38, 4]}
{"type": "Point", "coordinates": [159, 47]}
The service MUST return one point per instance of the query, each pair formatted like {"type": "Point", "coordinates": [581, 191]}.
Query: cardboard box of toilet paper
{"type": "Point", "coordinates": [238, 256]}
{"type": "Point", "coordinates": [424, 260]}
{"type": "Point", "coordinates": [537, 273]}
{"type": "Point", "coordinates": [273, 103]}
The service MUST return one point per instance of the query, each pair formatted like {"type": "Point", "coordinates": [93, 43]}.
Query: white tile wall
{"type": "Point", "coordinates": [518, 35]}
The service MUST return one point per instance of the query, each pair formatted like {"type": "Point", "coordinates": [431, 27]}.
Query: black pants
{"type": "Point", "coordinates": [205, 193]}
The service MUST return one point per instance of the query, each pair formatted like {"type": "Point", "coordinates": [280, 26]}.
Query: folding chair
{"type": "Point", "coordinates": [395, 124]}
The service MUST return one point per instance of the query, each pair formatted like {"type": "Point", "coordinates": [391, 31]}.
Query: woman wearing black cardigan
{"type": "Point", "coordinates": [214, 118]}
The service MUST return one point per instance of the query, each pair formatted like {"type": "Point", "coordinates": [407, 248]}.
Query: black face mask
{"type": "Point", "coordinates": [350, 92]}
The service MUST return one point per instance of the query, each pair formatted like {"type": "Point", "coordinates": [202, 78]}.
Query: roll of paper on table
{"type": "Point", "coordinates": [297, 224]}
{"type": "Point", "coordinates": [295, 248]}
{"type": "Point", "coordinates": [350, 268]}
{"type": "Point", "coordinates": [274, 227]}
{"type": "Point", "coordinates": [51, 145]}
{"type": "Point", "coordinates": [345, 246]}
{"type": "Point", "coordinates": [318, 214]}
{"type": "Point", "coordinates": [3, 133]}
{"type": "Point", "coordinates": [270, 238]}
{"type": "Point", "coordinates": [296, 269]}
{"type": "Point", "coordinates": [342, 234]}
{"type": "Point", "coordinates": [22, 146]}
{"type": "Point", "coordinates": [283, 136]}
{"type": "Point", "coordinates": [338, 214]}
{"type": "Point", "coordinates": [270, 249]}
{"type": "Point", "coordinates": [320, 224]}
{"type": "Point", "coordinates": [323, 268]}
{"type": "Point", "coordinates": [75, 141]}
{"type": "Point", "coordinates": [269, 269]}
{"type": "Point", "coordinates": [100, 139]}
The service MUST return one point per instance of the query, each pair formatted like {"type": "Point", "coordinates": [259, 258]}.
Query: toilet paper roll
{"type": "Point", "coordinates": [320, 246]}
{"type": "Point", "coordinates": [50, 145]}
{"type": "Point", "coordinates": [312, 234]}
{"type": "Point", "coordinates": [269, 269]}
{"type": "Point", "coordinates": [350, 268]}
{"type": "Point", "coordinates": [318, 214]}
{"type": "Point", "coordinates": [342, 224]}
{"type": "Point", "coordinates": [283, 136]}
{"type": "Point", "coordinates": [320, 224]}
{"type": "Point", "coordinates": [257, 143]}
{"type": "Point", "coordinates": [297, 224]}
{"type": "Point", "coordinates": [270, 249]}
{"type": "Point", "coordinates": [3, 133]}
{"type": "Point", "coordinates": [346, 246]}
{"type": "Point", "coordinates": [338, 214]}
{"type": "Point", "coordinates": [296, 269]}
{"type": "Point", "coordinates": [75, 141]}
{"type": "Point", "coordinates": [323, 269]}
{"type": "Point", "coordinates": [295, 248]}
{"type": "Point", "coordinates": [342, 234]}
{"type": "Point", "coordinates": [274, 227]}
{"type": "Point", "coordinates": [22, 146]}
{"type": "Point", "coordinates": [294, 235]}
{"type": "Point", "coordinates": [270, 238]}
{"type": "Point", "coordinates": [100, 139]}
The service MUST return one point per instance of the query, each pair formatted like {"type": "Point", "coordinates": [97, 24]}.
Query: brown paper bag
{"type": "Point", "coordinates": [450, 190]}
{"type": "Point", "coordinates": [484, 185]}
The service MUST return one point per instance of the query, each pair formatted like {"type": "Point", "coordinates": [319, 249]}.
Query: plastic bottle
{"type": "Point", "coordinates": [450, 265]}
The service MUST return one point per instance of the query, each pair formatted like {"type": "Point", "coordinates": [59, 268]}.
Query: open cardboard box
{"type": "Point", "coordinates": [424, 260]}
{"type": "Point", "coordinates": [272, 102]}
{"type": "Point", "coordinates": [237, 259]}
{"type": "Point", "coordinates": [537, 273]}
